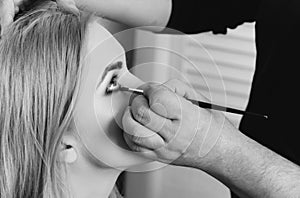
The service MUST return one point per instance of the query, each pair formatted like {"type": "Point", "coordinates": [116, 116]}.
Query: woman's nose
{"type": "Point", "coordinates": [120, 99]}
{"type": "Point", "coordinates": [130, 80]}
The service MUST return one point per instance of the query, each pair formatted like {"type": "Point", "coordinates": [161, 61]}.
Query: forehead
{"type": "Point", "coordinates": [97, 35]}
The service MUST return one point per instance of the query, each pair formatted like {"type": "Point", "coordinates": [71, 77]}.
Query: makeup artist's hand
{"type": "Point", "coordinates": [164, 126]}
{"type": "Point", "coordinates": [68, 5]}
{"type": "Point", "coordinates": [8, 9]}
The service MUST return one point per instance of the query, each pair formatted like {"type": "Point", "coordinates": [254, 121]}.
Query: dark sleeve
{"type": "Point", "coordinates": [195, 16]}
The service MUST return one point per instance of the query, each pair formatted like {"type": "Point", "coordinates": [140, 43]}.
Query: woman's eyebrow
{"type": "Point", "coordinates": [112, 66]}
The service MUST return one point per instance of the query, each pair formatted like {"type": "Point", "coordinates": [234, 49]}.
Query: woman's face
{"type": "Point", "coordinates": [98, 114]}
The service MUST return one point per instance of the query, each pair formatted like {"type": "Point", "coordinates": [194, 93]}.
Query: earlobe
{"type": "Point", "coordinates": [68, 152]}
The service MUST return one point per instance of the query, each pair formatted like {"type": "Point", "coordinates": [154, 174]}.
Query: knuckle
{"type": "Point", "coordinates": [142, 115]}
{"type": "Point", "coordinates": [140, 111]}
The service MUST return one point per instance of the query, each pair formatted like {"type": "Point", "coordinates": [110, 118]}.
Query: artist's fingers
{"type": "Point", "coordinates": [163, 101]}
{"type": "Point", "coordinates": [142, 87]}
{"type": "Point", "coordinates": [145, 152]}
{"type": "Point", "coordinates": [144, 115]}
{"type": "Point", "coordinates": [138, 135]}
{"type": "Point", "coordinates": [7, 11]}
{"type": "Point", "coordinates": [19, 2]}
{"type": "Point", "coordinates": [132, 145]}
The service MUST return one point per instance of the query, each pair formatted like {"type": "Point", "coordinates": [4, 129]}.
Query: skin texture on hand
{"type": "Point", "coordinates": [7, 12]}
{"type": "Point", "coordinates": [167, 127]}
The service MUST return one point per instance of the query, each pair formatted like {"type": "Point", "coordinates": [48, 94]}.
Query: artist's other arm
{"type": "Point", "coordinates": [134, 13]}
{"type": "Point", "coordinates": [193, 16]}
{"type": "Point", "coordinates": [205, 140]}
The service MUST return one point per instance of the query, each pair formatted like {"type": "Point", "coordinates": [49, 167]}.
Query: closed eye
{"type": "Point", "coordinates": [114, 80]}
{"type": "Point", "coordinates": [112, 85]}
{"type": "Point", "coordinates": [114, 66]}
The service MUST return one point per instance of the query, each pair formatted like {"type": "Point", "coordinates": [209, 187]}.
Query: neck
{"type": "Point", "coordinates": [94, 183]}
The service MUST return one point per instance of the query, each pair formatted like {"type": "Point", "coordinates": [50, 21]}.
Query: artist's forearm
{"type": "Point", "coordinates": [252, 170]}
{"type": "Point", "coordinates": [134, 13]}
{"type": "Point", "coordinates": [255, 171]}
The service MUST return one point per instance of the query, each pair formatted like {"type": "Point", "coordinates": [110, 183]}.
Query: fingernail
{"type": "Point", "coordinates": [17, 9]}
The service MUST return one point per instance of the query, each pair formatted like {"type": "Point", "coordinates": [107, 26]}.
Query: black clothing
{"type": "Point", "coordinates": [274, 87]}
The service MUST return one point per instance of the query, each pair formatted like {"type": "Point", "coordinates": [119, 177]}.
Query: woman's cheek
{"type": "Point", "coordinates": [108, 146]}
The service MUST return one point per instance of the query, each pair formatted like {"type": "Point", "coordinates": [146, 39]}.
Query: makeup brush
{"type": "Point", "coordinates": [206, 105]}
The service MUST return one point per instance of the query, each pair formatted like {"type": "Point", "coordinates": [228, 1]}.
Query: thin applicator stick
{"type": "Point", "coordinates": [201, 104]}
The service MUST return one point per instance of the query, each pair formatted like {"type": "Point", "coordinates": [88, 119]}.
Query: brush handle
{"type": "Point", "coordinates": [205, 105]}
{"type": "Point", "coordinates": [135, 91]}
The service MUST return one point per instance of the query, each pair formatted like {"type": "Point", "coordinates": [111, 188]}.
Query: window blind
{"type": "Point", "coordinates": [221, 67]}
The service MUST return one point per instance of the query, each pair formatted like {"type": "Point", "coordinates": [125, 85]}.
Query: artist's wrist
{"type": "Point", "coordinates": [221, 154]}
{"type": "Point", "coordinates": [234, 158]}
{"type": "Point", "coordinates": [209, 162]}
{"type": "Point", "coordinates": [217, 145]}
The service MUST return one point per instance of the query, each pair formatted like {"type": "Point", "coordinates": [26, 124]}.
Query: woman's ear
{"type": "Point", "coordinates": [68, 152]}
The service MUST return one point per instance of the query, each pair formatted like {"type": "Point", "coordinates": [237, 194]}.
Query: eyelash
{"type": "Point", "coordinates": [113, 81]}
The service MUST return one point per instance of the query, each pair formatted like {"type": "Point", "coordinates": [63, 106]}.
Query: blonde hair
{"type": "Point", "coordinates": [40, 66]}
